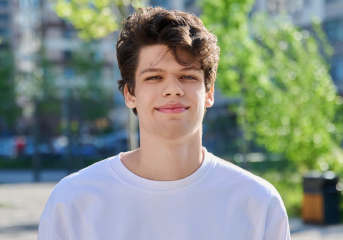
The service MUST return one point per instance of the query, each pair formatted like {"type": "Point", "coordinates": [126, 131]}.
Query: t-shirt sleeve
{"type": "Point", "coordinates": [47, 223]}
{"type": "Point", "coordinates": [43, 228]}
{"type": "Point", "coordinates": [280, 231]}
{"type": "Point", "coordinates": [43, 232]}
{"type": "Point", "coordinates": [55, 220]}
{"type": "Point", "coordinates": [276, 224]}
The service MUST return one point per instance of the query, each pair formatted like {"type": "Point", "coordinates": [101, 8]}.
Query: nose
{"type": "Point", "coordinates": [173, 87]}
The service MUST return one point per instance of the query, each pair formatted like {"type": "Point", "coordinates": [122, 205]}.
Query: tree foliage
{"type": "Point", "coordinates": [83, 72]}
{"type": "Point", "coordinates": [88, 82]}
{"type": "Point", "coordinates": [37, 81]}
{"type": "Point", "coordinates": [278, 72]}
{"type": "Point", "coordinates": [8, 107]}
{"type": "Point", "coordinates": [94, 18]}
{"type": "Point", "coordinates": [289, 101]}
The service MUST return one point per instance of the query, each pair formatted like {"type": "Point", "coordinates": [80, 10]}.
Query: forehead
{"type": "Point", "coordinates": [161, 55]}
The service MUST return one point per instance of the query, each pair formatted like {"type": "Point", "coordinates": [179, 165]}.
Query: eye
{"type": "Point", "coordinates": [153, 78]}
{"type": "Point", "coordinates": [188, 77]}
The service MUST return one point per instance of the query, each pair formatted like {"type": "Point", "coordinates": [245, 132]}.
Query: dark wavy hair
{"type": "Point", "coordinates": [175, 29]}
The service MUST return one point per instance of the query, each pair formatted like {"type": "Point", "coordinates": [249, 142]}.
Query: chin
{"type": "Point", "coordinates": [174, 130]}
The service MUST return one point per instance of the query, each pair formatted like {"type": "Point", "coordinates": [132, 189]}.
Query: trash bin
{"type": "Point", "coordinates": [321, 198]}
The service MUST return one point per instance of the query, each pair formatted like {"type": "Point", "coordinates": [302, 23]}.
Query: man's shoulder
{"type": "Point", "coordinates": [231, 174]}
{"type": "Point", "coordinates": [93, 178]}
{"type": "Point", "coordinates": [248, 189]}
{"type": "Point", "coordinates": [97, 171]}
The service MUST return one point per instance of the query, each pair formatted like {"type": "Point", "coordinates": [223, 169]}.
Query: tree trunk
{"type": "Point", "coordinates": [36, 155]}
{"type": "Point", "coordinates": [66, 128]}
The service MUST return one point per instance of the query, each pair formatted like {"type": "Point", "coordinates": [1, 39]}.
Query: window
{"type": "Point", "coordinates": [69, 73]}
{"type": "Point", "coordinates": [337, 69]}
{"type": "Point", "coordinates": [4, 32]}
{"type": "Point", "coordinates": [161, 3]}
{"type": "Point", "coordinates": [334, 30]}
{"type": "Point", "coordinates": [276, 6]}
{"type": "Point", "coordinates": [4, 3]}
{"type": "Point", "coordinates": [35, 3]}
{"type": "Point", "coordinates": [98, 56]}
{"type": "Point", "coordinates": [67, 55]}
{"type": "Point", "coordinates": [68, 33]}
{"type": "Point", "coordinates": [24, 4]}
{"type": "Point", "coordinates": [4, 19]}
{"type": "Point", "coordinates": [189, 3]}
{"type": "Point", "coordinates": [329, 1]}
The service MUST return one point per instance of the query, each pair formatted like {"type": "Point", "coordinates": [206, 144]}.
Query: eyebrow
{"type": "Point", "coordinates": [151, 70]}
{"type": "Point", "coordinates": [191, 68]}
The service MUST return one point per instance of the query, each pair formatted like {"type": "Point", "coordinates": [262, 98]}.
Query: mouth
{"type": "Point", "coordinates": [172, 108]}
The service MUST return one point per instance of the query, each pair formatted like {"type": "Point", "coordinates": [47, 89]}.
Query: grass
{"type": "Point", "coordinates": [6, 205]}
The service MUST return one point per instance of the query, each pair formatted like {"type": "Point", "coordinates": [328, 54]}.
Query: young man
{"type": "Point", "coordinates": [170, 188]}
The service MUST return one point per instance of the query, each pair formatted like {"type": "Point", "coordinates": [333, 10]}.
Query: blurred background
{"type": "Point", "coordinates": [278, 108]}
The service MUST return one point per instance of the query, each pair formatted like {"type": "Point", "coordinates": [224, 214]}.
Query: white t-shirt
{"type": "Point", "coordinates": [218, 201]}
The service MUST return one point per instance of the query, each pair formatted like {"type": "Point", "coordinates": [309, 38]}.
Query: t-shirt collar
{"type": "Point", "coordinates": [153, 185]}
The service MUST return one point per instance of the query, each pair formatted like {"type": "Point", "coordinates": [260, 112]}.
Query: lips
{"type": "Point", "coordinates": [172, 108]}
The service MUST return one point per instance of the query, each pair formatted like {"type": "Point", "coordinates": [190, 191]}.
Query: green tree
{"type": "Point", "coordinates": [289, 103]}
{"type": "Point", "coordinates": [8, 107]}
{"type": "Point", "coordinates": [94, 18]}
{"type": "Point", "coordinates": [87, 83]}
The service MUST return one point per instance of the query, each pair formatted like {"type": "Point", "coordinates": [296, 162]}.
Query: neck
{"type": "Point", "coordinates": [165, 160]}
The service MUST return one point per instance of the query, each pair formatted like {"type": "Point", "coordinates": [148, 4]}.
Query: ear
{"type": "Point", "coordinates": [209, 97]}
{"type": "Point", "coordinates": [130, 100]}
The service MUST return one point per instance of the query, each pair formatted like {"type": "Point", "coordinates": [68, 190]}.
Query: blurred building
{"type": "Point", "coordinates": [60, 39]}
{"type": "Point", "coordinates": [32, 28]}
{"type": "Point", "coordinates": [36, 26]}
{"type": "Point", "coordinates": [302, 12]}
{"type": "Point", "coordinates": [35, 23]}
{"type": "Point", "coordinates": [32, 25]}
{"type": "Point", "coordinates": [27, 33]}
{"type": "Point", "coordinates": [182, 5]}
{"type": "Point", "coordinates": [6, 19]}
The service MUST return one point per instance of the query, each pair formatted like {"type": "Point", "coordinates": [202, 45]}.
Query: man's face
{"type": "Point", "coordinates": [170, 98]}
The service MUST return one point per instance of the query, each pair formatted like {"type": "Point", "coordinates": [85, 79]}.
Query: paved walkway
{"type": "Point", "coordinates": [319, 233]}
{"type": "Point", "coordinates": [21, 206]}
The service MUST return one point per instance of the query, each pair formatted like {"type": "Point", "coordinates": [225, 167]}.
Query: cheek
{"type": "Point", "coordinates": [145, 96]}
{"type": "Point", "coordinates": [200, 96]}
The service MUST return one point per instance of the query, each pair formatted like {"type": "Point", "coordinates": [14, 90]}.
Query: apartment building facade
{"type": "Point", "coordinates": [6, 20]}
